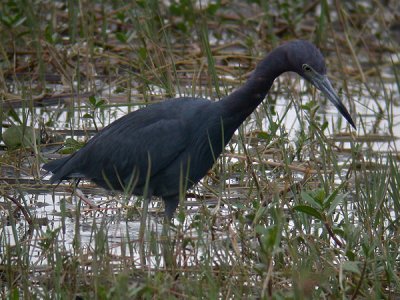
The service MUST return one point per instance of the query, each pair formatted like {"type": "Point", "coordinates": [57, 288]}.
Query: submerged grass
{"type": "Point", "coordinates": [297, 207]}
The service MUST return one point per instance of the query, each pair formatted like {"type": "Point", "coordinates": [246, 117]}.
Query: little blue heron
{"type": "Point", "coordinates": [165, 148]}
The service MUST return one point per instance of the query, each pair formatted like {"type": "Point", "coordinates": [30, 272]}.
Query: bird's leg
{"type": "Point", "coordinates": [171, 203]}
{"type": "Point", "coordinates": [142, 229]}
{"type": "Point", "coordinates": [167, 245]}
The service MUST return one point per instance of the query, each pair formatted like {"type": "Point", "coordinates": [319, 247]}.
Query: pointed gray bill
{"type": "Point", "coordinates": [324, 85]}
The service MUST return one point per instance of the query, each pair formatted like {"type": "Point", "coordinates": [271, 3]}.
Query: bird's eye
{"type": "Point", "coordinates": [306, 68]}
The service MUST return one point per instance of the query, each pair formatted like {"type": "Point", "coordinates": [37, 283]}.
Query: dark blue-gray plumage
{"type": "Point", "coordinates": [165, 148]}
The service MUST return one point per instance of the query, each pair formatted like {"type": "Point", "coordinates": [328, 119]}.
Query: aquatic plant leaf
{"type": "Point", "coordinates": [310, 211]}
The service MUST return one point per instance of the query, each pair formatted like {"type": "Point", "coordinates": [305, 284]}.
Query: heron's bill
{"type": "Point", "coordinates": [324, 85]}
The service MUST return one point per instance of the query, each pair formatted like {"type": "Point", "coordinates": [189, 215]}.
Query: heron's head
{"type": "Point", "coordinates": [308, 62]}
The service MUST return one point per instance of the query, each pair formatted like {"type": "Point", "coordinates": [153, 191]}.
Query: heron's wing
{"type": "Point", "coordinates": [145, 141]}
{"type": "Point", "coordinates": [146, 150]}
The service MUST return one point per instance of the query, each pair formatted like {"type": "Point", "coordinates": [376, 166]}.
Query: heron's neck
{"type": "Point", "coordinates": [242, 102]}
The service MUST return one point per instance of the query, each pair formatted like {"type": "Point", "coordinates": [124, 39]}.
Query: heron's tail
{"type": "Point", "coordinates": [54, 166]}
